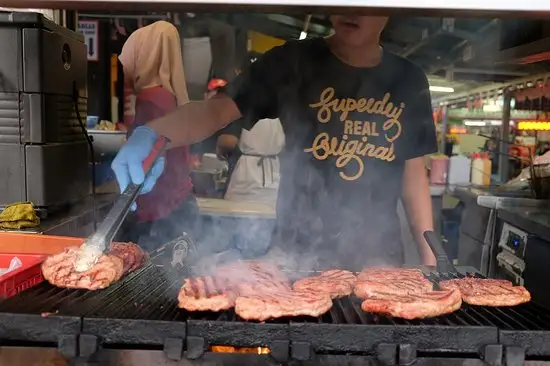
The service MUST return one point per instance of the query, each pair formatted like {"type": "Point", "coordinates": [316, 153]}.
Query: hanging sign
{"type": "Point", "coordinates": [534, 125]}
{"type": "Point", "coordinates": [89, 28]}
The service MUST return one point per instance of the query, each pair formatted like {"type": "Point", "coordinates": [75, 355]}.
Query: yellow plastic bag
{"type": "Point", "coordinates": [19, 215]}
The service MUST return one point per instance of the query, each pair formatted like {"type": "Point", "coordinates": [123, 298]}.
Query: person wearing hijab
{"type": "Point", "coordinates": [155, 86]}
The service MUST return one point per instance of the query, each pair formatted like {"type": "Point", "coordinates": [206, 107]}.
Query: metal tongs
{"type": "Point", "coordinates": [95, 245]}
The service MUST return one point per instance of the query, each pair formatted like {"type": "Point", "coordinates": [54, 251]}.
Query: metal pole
{"type": "Point", "coordinates": [444, 123]}
{"type": "Point", "coordinates": [503, 159]}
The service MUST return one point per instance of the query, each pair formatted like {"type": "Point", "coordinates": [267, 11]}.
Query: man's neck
{"type": "Point", "coordinates": [368, 55]}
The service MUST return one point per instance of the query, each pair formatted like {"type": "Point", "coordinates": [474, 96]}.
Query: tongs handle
{"type": "Point", "coordinates": [158, 150]}
{"type": "Point", "coordinates": [443, 264]}
{"type": "Point", "coordinates": [115, 217]}
{"type": "Point", "coordinates": [132, 190]}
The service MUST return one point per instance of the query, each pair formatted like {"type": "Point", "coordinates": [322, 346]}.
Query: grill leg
{"type": "Point", "coordinates": [493, 355]}
{"type": "Point", "coordinates": [173, 348]}
{"type": "Point", "coordinates": [196, 346]}
{"type": "Point", "coordinates": [87, 345]}
{"type": "Point", "coordinates": [301, 351]}
{"type": "Point", "coordinates": [514, 356]}
{"type": "Point", "coordinates": [387, 353]}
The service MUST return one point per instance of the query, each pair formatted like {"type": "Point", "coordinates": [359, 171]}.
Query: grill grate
{"type": "Point", "coordinates": [142, 309]}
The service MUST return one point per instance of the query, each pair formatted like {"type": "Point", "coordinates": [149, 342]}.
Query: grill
{"type": "Point", "coordinates": [142, 310]}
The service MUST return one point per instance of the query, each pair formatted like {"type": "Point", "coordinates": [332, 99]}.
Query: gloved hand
{"type": "Point", "coordinates": [128, 164]}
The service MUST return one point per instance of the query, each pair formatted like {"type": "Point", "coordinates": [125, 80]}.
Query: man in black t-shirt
{"type": "Point", "coordinates": [358, 123]}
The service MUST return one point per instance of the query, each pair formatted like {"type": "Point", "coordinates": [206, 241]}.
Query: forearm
{"type": "Point", "coordinates": [227, 142]}
{"type": "Point", "coordinates": [418, 205]}
{"type": "Point", "coordinates": [195, 121]}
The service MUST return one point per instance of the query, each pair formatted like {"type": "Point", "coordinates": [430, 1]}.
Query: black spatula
{"type": "Point", "coordinates": [443, 264]}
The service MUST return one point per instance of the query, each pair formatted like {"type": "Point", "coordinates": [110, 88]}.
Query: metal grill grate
{"type": "Point", "coordinates": [142, 309]}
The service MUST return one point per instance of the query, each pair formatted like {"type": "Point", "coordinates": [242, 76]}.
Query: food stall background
{"type": "Point", "coordinates": [468, 60]}
{"type": "Point", "coordinates": [472, 63]}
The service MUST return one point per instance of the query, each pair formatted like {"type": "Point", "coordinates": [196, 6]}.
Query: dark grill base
{"type": "Point", "coordinates": [113, 357]}
{"type": "Point", "coordinates": [142, 310]}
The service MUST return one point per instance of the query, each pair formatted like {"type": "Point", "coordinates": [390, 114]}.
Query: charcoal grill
{"type": "Point", "coordinates": [142, 311]}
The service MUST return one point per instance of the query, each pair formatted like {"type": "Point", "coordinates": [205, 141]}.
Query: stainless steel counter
{"type": "Point", "coordinates": [479, 226]}
{"type": "Point", "coordinates": [533, 220]}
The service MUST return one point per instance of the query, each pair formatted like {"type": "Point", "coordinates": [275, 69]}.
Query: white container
{"type": "Point", "coordinates": [478, 170]}
{"type": "Point", "coordinates": [459, 170]}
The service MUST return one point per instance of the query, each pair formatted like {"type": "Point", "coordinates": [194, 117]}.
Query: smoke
{"type": "Point", "coordinates": [321, 227]}
{"type": "Point", "coordinates": [341, 173]}
{"type": "Point", "coordinates": [228, 239]}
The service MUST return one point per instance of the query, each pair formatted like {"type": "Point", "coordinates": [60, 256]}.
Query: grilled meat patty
{"type": "Point", "coordinates": [414, 306]}
{"type": "Point", "coordinates": [252, 271]}
{"type": "Point", "coordinates": [205, 293]}
{"type": "Point", "coordinates": [335, 282]}
{"type": "Point", "coordinates": [277, 304]}
{"type": "Point", "coordinates": [58, 269]}
{"type": "Point", "coordinates": [219, 291]}
{"type": "Point", "coordinates": [397, 281]}
{"type": "Point", "coordinates": [389, 273]}
{"type": "Point", "coordinates": [132, 255]}
{"type": "Point", "coordinates": [488, 292]}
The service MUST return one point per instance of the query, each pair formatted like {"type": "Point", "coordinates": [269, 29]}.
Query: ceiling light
{"type": "Point", "coordinates": [474, 123]}
{"type": "Point", "coordinates": [303, 35]}
{"type": "Point", "coordinates": [441, 89]}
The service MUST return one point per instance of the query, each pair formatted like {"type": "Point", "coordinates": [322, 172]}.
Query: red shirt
{"type": "Point", "coordinates": [174, 185]}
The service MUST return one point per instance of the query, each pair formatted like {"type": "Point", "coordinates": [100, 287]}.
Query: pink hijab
{"type": "Point", "coordinates": [152, 57]}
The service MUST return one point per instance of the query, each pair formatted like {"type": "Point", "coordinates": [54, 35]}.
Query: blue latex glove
{"type": "Point", "coordinates": [128, 164]}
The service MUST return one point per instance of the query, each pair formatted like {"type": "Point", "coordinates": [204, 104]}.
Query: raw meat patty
{"type": "Point", "coordinates": [335, 282]}
{"type": "Point", "coordinates": [488, 292]}
{"type": "Point", "coordinates": [414, 306]}
{"type": "Point", "coordinates": [268, 305]}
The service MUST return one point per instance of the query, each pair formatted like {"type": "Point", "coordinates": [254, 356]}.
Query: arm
{"type": "Point", "coordinates": [228, 139]}
{"type": "Point", "coordinates": [227, 142]}
{"type": "Point", "coordinates": [421, 141]}
{"type": "Point", "coordinates": [417, 201]}
{"type": "Point", "coordinates": [252, 96]}
{"type": "Point", "coordinates": [195, 121]}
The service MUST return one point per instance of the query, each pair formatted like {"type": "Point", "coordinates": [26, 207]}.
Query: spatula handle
{"type": "Point", "coordinates": [443, 263]}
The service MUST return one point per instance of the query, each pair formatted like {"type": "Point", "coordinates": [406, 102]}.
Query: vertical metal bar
{"type": "Point", "coordinates": [444, 123]}
{"type": "Point", "coordinates": [72, 20]}
{"type": "Point", "coordinates": [489, 246]}
{"type": "Point", "coordinates": [57, 16]}
{"type": "Point", "coordinates": [503, 160]}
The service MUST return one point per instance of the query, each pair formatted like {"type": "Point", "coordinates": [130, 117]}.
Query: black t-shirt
{"type": "Point", "coordinates": [348, 134]}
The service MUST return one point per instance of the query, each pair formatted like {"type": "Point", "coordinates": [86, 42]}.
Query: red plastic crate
{"type": "Point", "coordinates": [27, 276]}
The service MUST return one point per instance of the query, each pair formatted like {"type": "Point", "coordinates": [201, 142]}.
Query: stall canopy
{"type": "Point", "coordinates": [459, 54]}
